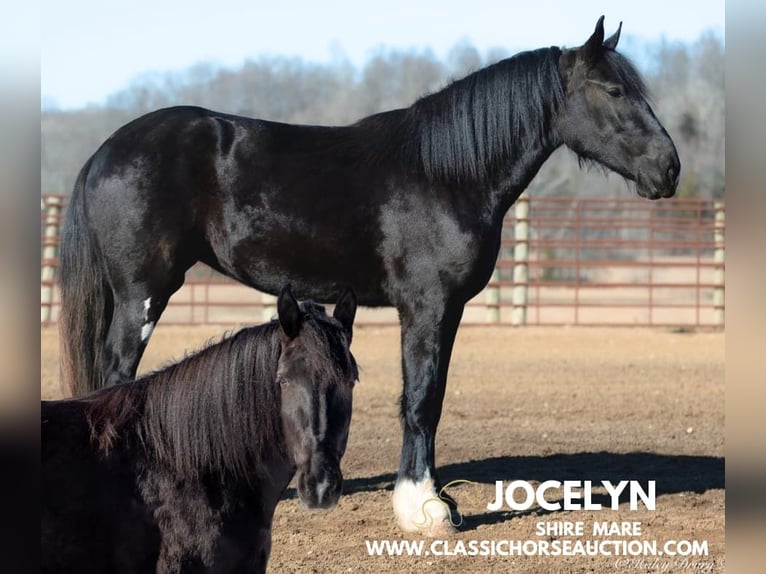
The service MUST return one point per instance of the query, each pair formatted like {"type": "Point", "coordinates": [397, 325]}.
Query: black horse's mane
{"type": "Point", "coordinates": [630, 77]}
{"type": "Point", "coordinates": [217, 409]}
{"type": "Point", "coordinates": [480, 121]}
{"type": "Point", "coordinates": [476, 124]}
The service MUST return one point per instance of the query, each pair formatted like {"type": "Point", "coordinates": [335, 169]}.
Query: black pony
{"type": "Point", "coordinates": [406, 206]}
{"type": "Point", "coordinates": [181, 470]}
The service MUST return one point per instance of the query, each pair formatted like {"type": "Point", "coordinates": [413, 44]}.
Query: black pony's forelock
{"type": "Point", "coordinates": [476, 124]}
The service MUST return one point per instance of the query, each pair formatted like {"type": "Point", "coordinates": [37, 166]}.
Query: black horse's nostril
{"type": "Point", "coordinates": [672, 173]}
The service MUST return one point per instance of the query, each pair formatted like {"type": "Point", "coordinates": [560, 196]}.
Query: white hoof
{"type": "Point", "coordinates": [418, 508]}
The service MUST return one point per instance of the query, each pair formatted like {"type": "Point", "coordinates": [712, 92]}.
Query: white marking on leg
{"type": "Point", "coordinates": [148, 326]}
{"type": "Point", "coordinates": [146, 331]}
{"type": "Point", "coordinates": [417, 505]}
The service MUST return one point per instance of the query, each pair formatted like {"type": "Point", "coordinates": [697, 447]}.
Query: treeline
{"type": "Point", "coordinates": [687, 83]}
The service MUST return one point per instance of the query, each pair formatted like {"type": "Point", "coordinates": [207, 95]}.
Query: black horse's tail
{"type": "Point", "coordinates": [86, 298]}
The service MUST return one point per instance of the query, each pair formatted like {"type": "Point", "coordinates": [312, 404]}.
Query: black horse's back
{"type": "Point", "coordinates": [187, 184]}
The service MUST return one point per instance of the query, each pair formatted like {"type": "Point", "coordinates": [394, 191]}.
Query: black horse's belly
{"type": "Point", "coordinates": [267, 237]}
{"type": "Point", "coordinates": [313, 270]}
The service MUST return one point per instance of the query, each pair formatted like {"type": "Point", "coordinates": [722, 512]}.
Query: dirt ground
{"type": "Point", "coordinates": [529, 404]}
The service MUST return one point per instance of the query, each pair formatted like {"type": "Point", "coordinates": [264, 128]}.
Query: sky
{"type": "Point", "coordinates": [90, 49]}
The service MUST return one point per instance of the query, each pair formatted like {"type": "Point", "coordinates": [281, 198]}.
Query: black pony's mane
{"type": "Point", "coordinates": [477, 123]}
{"type": "Point", "coordinates": [218, 409]}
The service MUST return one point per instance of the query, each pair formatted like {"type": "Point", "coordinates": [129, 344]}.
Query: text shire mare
{"type": "Point", "coordinates": [405, 206]}
{"type": "Point", "coordinates": [181, 470]}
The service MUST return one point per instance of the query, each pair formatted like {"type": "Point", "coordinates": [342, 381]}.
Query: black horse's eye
{"type": "Point", "coordinates": [614, 91]}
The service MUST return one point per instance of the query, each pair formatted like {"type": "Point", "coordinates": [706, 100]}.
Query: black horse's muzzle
{"type": "Point", "coordinates": [660, 178]}
{"type": "Point", "coordinates": [671, 172]}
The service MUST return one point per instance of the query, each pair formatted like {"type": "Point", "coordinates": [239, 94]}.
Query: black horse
{"type": "Point", "coordinates": [181, 470]}
{"type": "Point", "coordinates": [406, 206]}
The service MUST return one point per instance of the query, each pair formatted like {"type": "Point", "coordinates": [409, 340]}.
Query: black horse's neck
{"type": "Point", "coordinates": [474, 129]}
{"type": "Point", "coordinates": [511, 180]}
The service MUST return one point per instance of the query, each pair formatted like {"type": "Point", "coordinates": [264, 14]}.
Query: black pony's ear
{"type": "Point", "coordinates": [611, 42]}
{"type": "Point", "coordinates": [345, 311]}
{"type": "Point", "coordinates": [592, 49]}
{"type": "Point", "coordinates": [289, 313]}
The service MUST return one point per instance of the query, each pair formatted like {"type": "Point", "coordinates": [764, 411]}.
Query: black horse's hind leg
{"type": "Point", "coordinates": [136, 312]}
{"type": "Point", "coordinates": [427, 339]}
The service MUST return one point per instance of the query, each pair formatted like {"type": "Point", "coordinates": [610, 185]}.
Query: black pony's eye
{"type": "Point", "coordinates": [614, 91]}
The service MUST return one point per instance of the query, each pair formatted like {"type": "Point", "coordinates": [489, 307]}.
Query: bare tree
{"type": "Point", "coordinates": [687, 82]}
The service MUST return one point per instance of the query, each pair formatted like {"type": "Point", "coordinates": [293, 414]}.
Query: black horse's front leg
{"type": "Point", "coordinates": [427, 339]}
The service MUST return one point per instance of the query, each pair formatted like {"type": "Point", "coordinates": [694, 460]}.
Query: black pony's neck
{"type": "Point", "coordinates": [472, 130]}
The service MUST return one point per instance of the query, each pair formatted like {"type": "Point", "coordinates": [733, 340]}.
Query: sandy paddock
{"type": "Point", "coordinates": [529, 404]}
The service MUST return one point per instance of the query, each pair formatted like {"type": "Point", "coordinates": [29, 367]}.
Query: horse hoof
{"type": "Point", "coordinates": [419, 509]}
{"type": "Point", "coordinates": [443, 529]}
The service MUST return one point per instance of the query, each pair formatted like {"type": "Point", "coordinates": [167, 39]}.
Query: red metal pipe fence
{"type": "Point", "coordinates": [562, 261]}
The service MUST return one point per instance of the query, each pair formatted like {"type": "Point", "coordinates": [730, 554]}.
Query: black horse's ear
{"type": "Point", "coordinates": [592, 49]}
{"type": "Point", "coordinates": [611, 42]}
{"type": "Point", "coordinates": [289, 313]}
{"type": "Point", "coordinates": [345, 311]}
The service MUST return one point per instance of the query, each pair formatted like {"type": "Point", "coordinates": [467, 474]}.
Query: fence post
{"type": "Point", "coordinates": [492, 298]}
{"type": "Point", "coordinates": [718, 258]}
{"type": "Point", "coordinates": [268, 307]}
{"type": "Point", "coordinates": [52, 208]}
{"type": "Point", "coordinates": [520, 262]}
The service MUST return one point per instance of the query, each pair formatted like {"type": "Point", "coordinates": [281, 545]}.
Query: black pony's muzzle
{"type": "Point", "coordinates": [321, 490]}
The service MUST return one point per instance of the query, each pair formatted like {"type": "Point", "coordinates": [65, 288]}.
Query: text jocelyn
{"type": "Point", "coordinates": [521, 495]}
